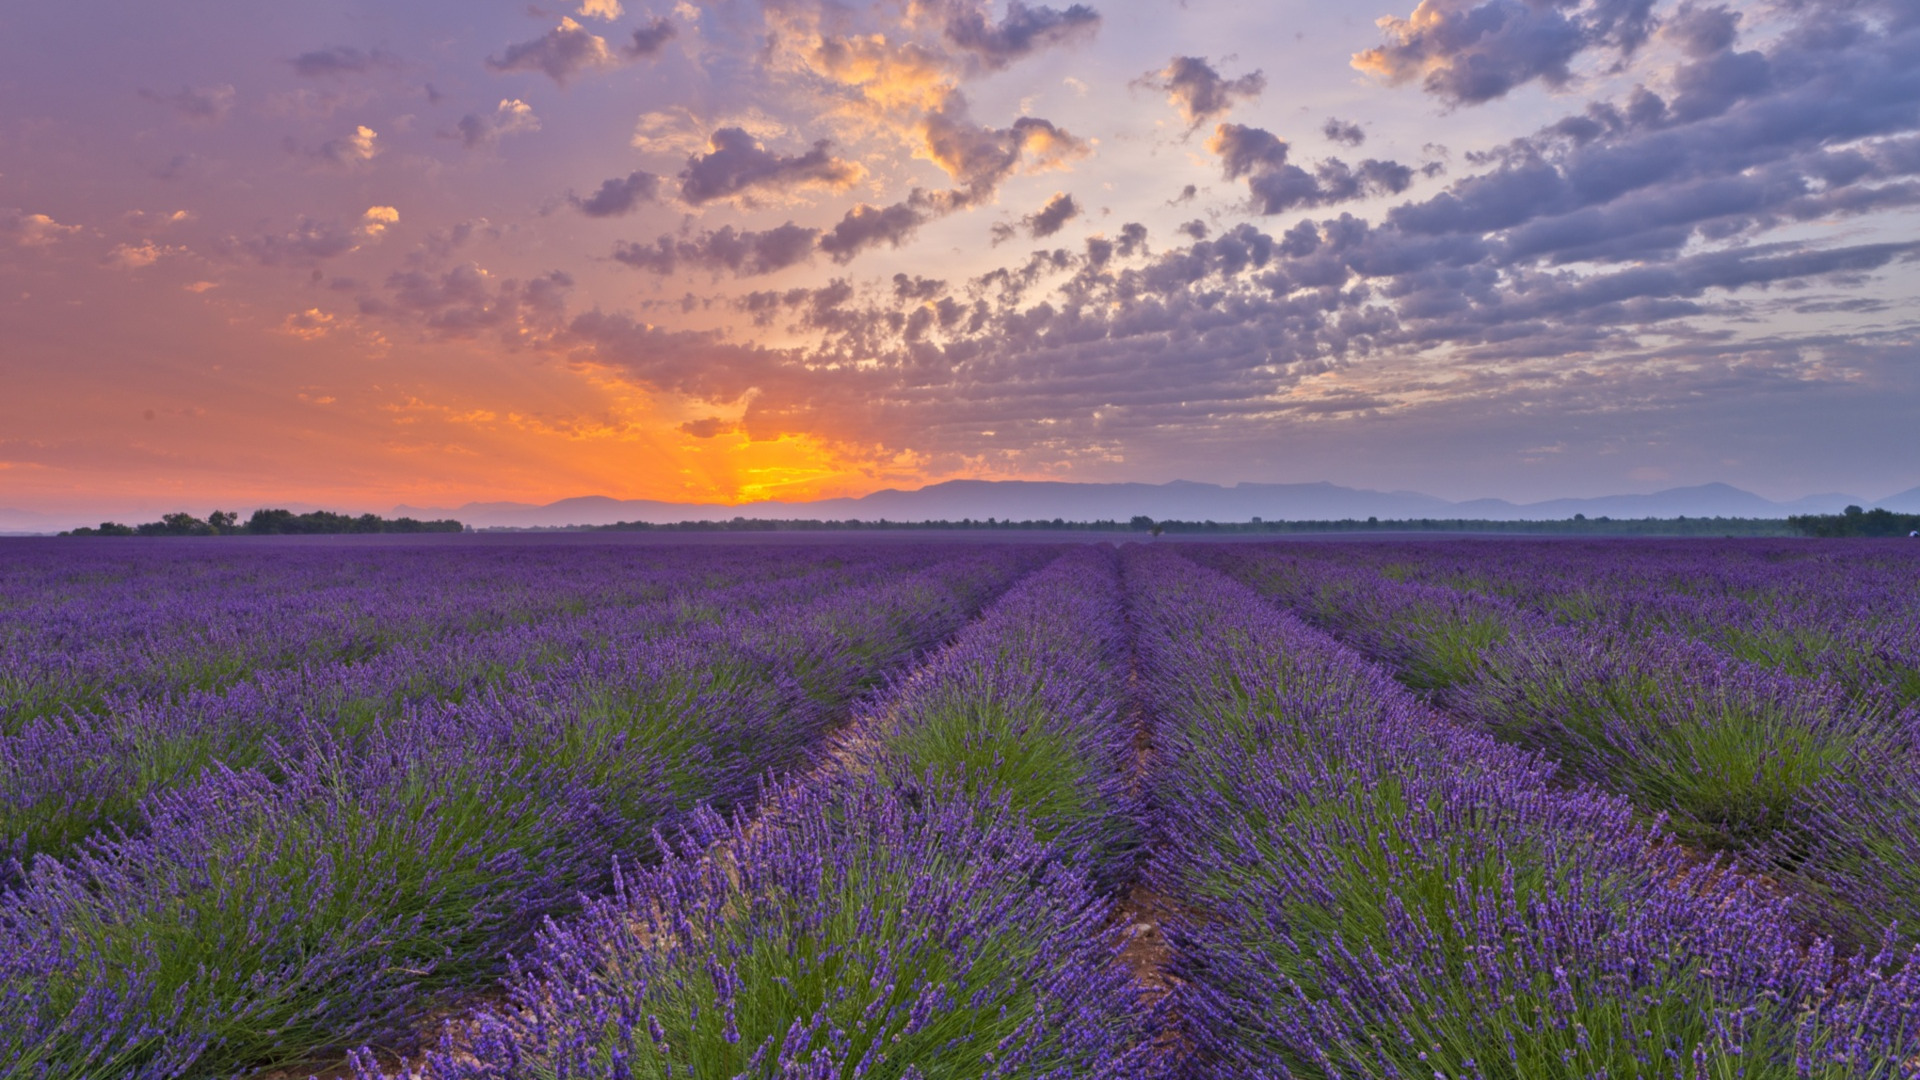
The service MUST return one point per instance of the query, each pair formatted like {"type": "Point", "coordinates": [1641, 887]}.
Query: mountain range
{"type": "Point", "coordinates": [1023, 500]}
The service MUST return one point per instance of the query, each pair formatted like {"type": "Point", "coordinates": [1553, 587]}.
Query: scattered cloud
{"type": "Point", "coordinates": [561, 53]}
{"type": "Point", "coordinates": [1024, 30]}
{"type": "Point", "coordinates": [743, 253]}
{"type": "Point", "coordinates": [867, 226]}
{"type": "Point", "coordinates": [1343, 132]}
{"type": "Point", "coordinates": [377, 220]}
{"type": "Point", "coordinates": [707, 427]}
{"type": "Point", "coordinates": [620, 195]}
{"type": "Point", "coordinates": [469, 300]}
{"type": "Point", "coordinates": [1465, 53]}
{"type": "Point", "coordinates": [351, 150]}
{"type": "Point", "coordinates": [341, 60]}
{"type": "Point", "coordinates": [312, 324]}
{"type": "Point", "coordinates": [648, 40]}
{"type": "Point", "coordinates": [979, 158]}
{"type": "Point", "coordinates": [737, 165]}
{"type": "Point", "coordinates": [600, 9]}
{"type": "Point", "coordinates": [305, 245]}
{"type": "Point", "coordinates": [1198, 91]}
{"type": "Point", "coordinates": [511, 117]}
{"type": "Point", "coordinates": [205, 104]}
{"type": "Point", "coordinates": [1260, 157]}
{"type": "Point", "coordinates": [34, 230]}
{"type": "Point", "coordinates": [135, 256]}
{"type": "Point", "coordinates": [1042, 223]}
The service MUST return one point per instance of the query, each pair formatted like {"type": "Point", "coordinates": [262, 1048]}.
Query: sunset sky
{"type": "Point", "coordinates": [361, 254]}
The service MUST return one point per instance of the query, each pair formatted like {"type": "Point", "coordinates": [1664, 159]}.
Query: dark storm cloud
{"type": "Point", "coordinates": [1467, 55]}
{"type": "Point", "coordinates": [736, 164]}
{"type": "Point", "coordinates": [1198, 91]}
{"type": "Point", "coordinates": [1043, 222]}
{"type": "Point", "coordinates": [1260, 157]}
{"type": "Point", "coordinates": [340, 60]}
{"type": "Point", "coordinates": [743, 253]}
{"type": "Point", "coordinates": [651, 38]}
{"type": "Point", "coordinates": [1024, 30]}
{"type": "Point", "coordinates": [561, 53]}
{"type": "Point", "coordinates": [620, 195]}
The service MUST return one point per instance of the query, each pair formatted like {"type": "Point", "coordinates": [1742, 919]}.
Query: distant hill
{"type": "Point", "coordinates": [1022, 500]}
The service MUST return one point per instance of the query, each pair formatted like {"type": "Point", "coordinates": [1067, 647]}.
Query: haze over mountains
{"type": "Point", "coordinates": [1022, 500]}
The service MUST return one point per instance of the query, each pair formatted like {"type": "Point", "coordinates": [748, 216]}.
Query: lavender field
{"type": "Point", "coordinates": [493, 808]}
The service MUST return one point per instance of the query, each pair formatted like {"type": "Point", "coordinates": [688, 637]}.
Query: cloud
{"type": "Point", "coordinates": [1260, 157]}
{"type": "Point", "coordinates": [1198, 91]}
{"type": "Point", "coordinates": [1342, 132]}
{"type": "Point", "coordinates": [377, 220]}
{"type": "Point", "coordinates": [206, 104]}
{"type": "Point", "coordinates": [511, 117]}
{"type": "Point", "coordinates": [600, 9]}
{"type": "Point", "coordinates": [33, 230]}
{"type": "Point", "coordinates": [467, 300]}
{"type": "Point", "coordinates": [340, 60]}
{"type": "Point", "coordinates": [1044, 222]}
{"type": "Point", "coordinates": [1465, 53]}
{"type": "Point", "coordinates": [737, 165]}
{"type": "Point", "coordinates": [650, 39]}
{"type": "Point", "coordinates": [348, 151]}
{"type": "Point", "coordinates": [136, 256]}
{"type": "Point", "coordinates": [867, 226]}
{"type": "Point", "coordinates": [563, 52]}
{"type": "Point", "coordinates": [1701, 30]}
{"type": "Point", "coordinates": [743, 253]}
{"type": "Point", "coordinates": [978, 158]}
{"type": "Point", "coordinates": [313, 241]}
{"type": "Point", "coordinates": [620, 195]}
{"type": "Point", "coordinates": [309, 325]}
{"type": "Point", "coordinates": [1024, 30]}
{"type": "Point", "coordinates": [707, 427]}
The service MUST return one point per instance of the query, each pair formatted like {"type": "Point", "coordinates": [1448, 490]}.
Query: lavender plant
{"type": "Point", "coordinates": [1379, 893]}
{"type": "Point", "coordinates": [850, 933]}
{"type": "Point", "coordinates": [265, 916]}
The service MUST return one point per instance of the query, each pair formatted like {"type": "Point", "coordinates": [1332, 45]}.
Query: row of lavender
{"type": "Point", "coordinates": [1366, 889]}
{"type": "Point", "coordinates": [1849, 612]}
{"type": "Point", "coordinates": [77, 771]}
{"type": "Point", "coordinates": [1808, 779]}
{"type": "Point", "coordinates": [97, 627]}
{"type": "Point", "coordinates": [930, 904]}
{"type": "Point", "coordinates": [342, 880]}
{"type": "Point", "coordinates": [1374, 891]}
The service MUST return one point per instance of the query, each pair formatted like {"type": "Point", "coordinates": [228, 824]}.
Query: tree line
{"type": "Point", "coordinates": [1854, 521]}
{"type": "Point", "coordinates": [1578, 525]}
{"type": "Point", "coordinates": [268, 523]}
